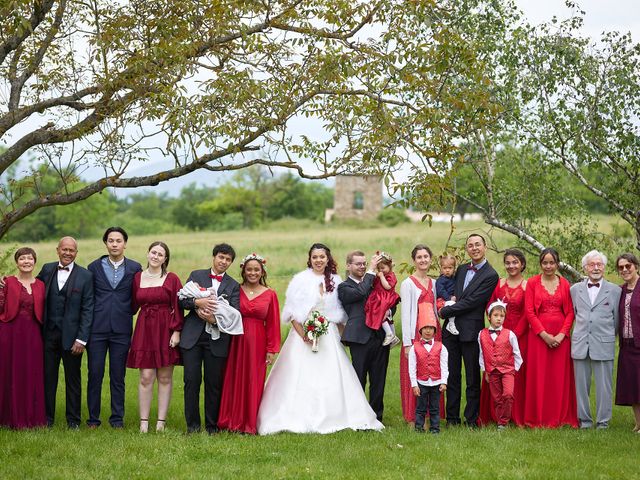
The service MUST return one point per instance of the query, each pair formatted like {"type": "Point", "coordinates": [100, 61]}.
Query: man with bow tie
{"type": "Point", "coordinates": [198, 347]}
{"type": "Point", "coordinates": [68, 317]}
{"type": "Point", "coordinates": [475, 282]}
{"type": "Point", "coordinates": [595, 303]}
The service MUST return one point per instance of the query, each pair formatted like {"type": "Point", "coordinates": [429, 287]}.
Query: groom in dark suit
{"type": "Point", "coordinates": [68, 316]}
{"type": "Point", "coordinates": [112, 325]}
{"type": "Point", "coordinates": [197, 346]}
{"type": "Point", "coordinates": [475, 282]}
{"type": "Point", "coordinates": [368, 356]}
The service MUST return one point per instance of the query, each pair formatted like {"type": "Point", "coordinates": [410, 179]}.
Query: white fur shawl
{"type": "Point", "coordinates": [303, 294]}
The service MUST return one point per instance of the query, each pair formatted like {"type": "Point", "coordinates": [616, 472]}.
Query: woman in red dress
{"type": "Point", "coordinates": [21, 347]}
{"type": "Point", "coordinates": [550, 385]}
{"type": "Point", "coordinates": [416, 292]}
{"type": "Point", "coordinates": [251, 352]}
{"type": "Point", "coordinates": [157, 334]}
{"type": "Point", "coordinates": [511, 291]}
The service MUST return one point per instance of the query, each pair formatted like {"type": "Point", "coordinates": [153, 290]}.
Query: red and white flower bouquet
{"type": "Point", "coordinates": [314, 327]}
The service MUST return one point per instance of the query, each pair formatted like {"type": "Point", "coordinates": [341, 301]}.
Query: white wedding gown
{"type": "Point", "coordinates": [309, 392]}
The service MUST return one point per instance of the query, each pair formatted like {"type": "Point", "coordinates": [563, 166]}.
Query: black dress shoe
{"type": "Point", "coordinates": [117, 426]}
{"type": "Point", "coordinates": [73, 426]}
{"type": "Point", "coordinates": [212, 430]}
{"type": "Point", "coordinates": [191, 430]}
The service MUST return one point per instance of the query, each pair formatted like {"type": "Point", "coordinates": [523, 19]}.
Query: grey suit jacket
{"type": "Point", "coordinates": [194, 325]}
{"type": "Point", "coordinates": [594, 331]}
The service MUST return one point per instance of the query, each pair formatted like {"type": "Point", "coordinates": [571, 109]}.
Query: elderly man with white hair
{"type": "Point", "coordinates": [595, 302]}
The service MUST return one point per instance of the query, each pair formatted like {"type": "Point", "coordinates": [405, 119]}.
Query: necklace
{"type": "Point", "coordinates": [152, 275]}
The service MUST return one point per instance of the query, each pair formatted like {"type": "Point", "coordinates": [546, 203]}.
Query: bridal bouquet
{"type": "Point", "coordinates": [314, 327]}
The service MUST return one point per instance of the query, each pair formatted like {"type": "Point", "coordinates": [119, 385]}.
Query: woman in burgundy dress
{"type": "Point", "coordinates": [550, 384]}
{"type": "Point", "coordinates": [416, 292]}
{"type": "Point", "coordinates": [628, 381]}
{"type": "Point", "coordinates": [511, 291]}
{"type": "Point", "coordinates": [157, 333]}
{"type": "Point", "coordinates": [21, 347]}
{"type": "Point", "coordinates": [251, 352]}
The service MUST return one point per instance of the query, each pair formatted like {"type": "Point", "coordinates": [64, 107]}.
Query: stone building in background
{"type": "Point", "coordinates": [357, 196]}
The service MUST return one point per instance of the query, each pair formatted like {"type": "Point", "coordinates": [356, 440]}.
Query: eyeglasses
{"type": "Point", "coordinates": [595, 265]}
{"type": "Point", "coordinates": [626, 266]}
{"type": "Point", "coordinates": [359, 264]}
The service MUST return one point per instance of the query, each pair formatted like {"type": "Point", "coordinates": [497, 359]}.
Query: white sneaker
{"type": "Point", "coordinates": [451, 327]}
{"type": "Point", "coordinates": [395, 341]}
{"type": "Point", "coordinates": [388, 339]}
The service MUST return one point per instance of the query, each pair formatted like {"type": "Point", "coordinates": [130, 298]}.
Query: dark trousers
{"type": "Point", "coordinates": [117, 344]}
{"type": "Point", "coordinates": [469, 352]}
{"type": "Point", "coordinates": [429, 400]}
{"type": "Point", "coordinates": [193, 360]}
{"type": "Point", "coordinates": [371, 359]}
{"type": "Point", "coordinates": [53, 353]}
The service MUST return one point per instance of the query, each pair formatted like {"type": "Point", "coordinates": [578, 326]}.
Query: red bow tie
{"type": "Point", "coordinates": [597, 285]}
{"type": "Point", "coordinates": [473, 268]}
{"type": "Point", "coordinates": [216, 277]}
{"type": "Point", "coordinates": [426, 342]}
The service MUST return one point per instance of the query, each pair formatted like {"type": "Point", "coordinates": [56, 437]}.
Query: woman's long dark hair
{"type": "Point", "coordinates": [331, 267]}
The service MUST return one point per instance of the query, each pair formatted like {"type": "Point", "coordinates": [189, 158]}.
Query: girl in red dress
{"type": "Point", "coordinates": [549, 384]}
{"type": "Point", "coordinates": [251, 352]}
{"type": "Point", "coordinates": [157, 333]}
{"type": "Point", "coordinates": [417, 292]}
{"type": "Point", "coordinates": [510, 290]}
{"type": "Point", "coordinates": [21, 346]}
{"type": "Point", "coordinates": [382, 299]}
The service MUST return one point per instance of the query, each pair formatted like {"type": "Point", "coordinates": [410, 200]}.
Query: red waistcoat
{"type": "Point", "coordinates": [427, 363]}
{"type": "Point", "coordinates": [498, 354]}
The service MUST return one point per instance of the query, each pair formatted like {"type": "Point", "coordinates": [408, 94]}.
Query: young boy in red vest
{"type": "Point", "coordinates": [428, 371]}
{"type": "Point", "coordinates": [500, 359]}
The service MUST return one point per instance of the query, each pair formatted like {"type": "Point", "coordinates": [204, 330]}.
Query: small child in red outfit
{"type": "Point", "coordinates": [382, 299]}
{"type": "Point", "coordinates": [500, 359]}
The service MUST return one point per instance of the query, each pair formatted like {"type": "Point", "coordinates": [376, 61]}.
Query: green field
{"type": "Point", "coordinates": [397, 452]}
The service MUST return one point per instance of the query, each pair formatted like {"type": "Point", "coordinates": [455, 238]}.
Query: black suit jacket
{"type": "Point", "coordinates": [353, 297]}
{"type": "Point", "coordinates": [194, 325]}
{"type": "Point", "coordinates": [79, 302]}
{"type": "Point", "coordinates": [112, 312]}
{"type": "Point", "coordinates": [471, 304]}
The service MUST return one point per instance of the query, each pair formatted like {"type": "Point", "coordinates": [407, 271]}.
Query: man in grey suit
{"type": "Point", "coordinates": [595, 302]}
{"type": "Point", "coordinates": [199, 349]}
{"type": "Point", "coordinates": [368, 356]}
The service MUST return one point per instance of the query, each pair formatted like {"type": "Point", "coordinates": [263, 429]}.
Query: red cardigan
{"type": "Point", "coordinates": [11, 294]}
{"type": "Point", "coordinates": [533, 300]}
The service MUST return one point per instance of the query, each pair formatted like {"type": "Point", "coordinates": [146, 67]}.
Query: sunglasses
{"type": "Point", "coordinates": [626, 266]}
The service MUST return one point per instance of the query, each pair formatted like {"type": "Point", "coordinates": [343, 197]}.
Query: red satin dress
{"type": "Point", "coordinates": [516, 321]}
{"type": "Point", "coordinates": [550, 385]}
{"type": "Point", "coordinates": [380, 301]}
{"type": "Point", "coordinates": [407, 397]}
{"type": "Point", "coordinates": [246, 368]}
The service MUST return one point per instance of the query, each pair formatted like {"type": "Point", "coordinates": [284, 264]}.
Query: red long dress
{"type": "Point", "coordinates": [407, 397]}
{"type": "Point", "coordinates": [160, 316]}
{"type": "Point", "coordinates": [21, 357]}
{"type": "Point", "coordinates": [380, 300]}
{"type": "Point", "coordinates": [246, 368]}
{"type": "Point", "coordinates": [516, 321]}
{"type": "Point", "coordinates": [550, 384]}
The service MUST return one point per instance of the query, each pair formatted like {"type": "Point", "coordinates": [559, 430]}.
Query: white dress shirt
{"type": "Point", "coordinates": [413, 366]}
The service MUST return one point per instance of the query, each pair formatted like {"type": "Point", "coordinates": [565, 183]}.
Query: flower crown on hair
{"type": "Point", "coordinates": [385, 255]}
{"type": "Point", "coordinates": [497, 303]}
{"type": "Point", "coordinates": [253, 256]}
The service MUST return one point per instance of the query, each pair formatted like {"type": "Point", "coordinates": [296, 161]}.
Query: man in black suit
{"type": "Point", "coordinates": [197, 346]}
{"type": "Point", "coordinates": [475, 282]}
{"type": "Point", "coordinates": [68, 316]}
{"type": "Point", "coordinates": [112, 325]}
{"type": "Point", "coordinates": [368, 356]}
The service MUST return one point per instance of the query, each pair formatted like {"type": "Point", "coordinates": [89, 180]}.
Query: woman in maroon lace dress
{"type": "Point", "coordinates": [416, 292]}
{"type": "Point", "coordinates": [154, 346]}
{"type": "Point", "coordinates": [21, 347]}
{"type": "Point", "coordinates": [251, 352]}
{"type": "Point", "coordinates": [511, 291]}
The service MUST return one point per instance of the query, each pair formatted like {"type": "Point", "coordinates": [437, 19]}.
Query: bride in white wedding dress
{"type": "Point", "coordinates": [309, 392]}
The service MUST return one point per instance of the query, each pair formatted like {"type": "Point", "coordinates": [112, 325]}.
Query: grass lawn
{"type": "Point", "coordinates": [397, 452]}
